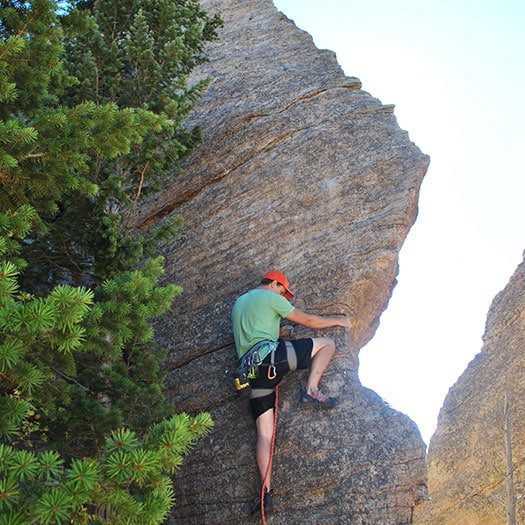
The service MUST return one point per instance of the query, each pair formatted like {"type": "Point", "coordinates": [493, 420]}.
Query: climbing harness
{"type": "Point", "coordinates": [272, 450]}
{"type": "Point", "coordinates": [248, 367]}
{"type": "Point", "coordinates": [257, 354]}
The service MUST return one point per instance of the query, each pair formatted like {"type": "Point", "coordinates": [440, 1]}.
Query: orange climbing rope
{"type": "Point", "coordinates": [269, 467]}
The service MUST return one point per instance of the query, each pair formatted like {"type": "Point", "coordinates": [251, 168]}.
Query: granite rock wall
{"type": "Point", "coordinates": [468, 454]}
{"type": "Point", "coordinates": [302, 171]}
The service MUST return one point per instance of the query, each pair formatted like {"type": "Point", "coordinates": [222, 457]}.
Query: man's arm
{"type": "Point", "coordinates": [317, 321]}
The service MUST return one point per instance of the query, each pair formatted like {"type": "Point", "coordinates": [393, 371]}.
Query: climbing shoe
{"type": "Point", "coordinates": [323, 402]}
{"type": "Point", "coordinates": [256, 506]}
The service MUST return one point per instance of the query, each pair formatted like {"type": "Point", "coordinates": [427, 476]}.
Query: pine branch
{"type": "Point", "coordinates": [71, 380]}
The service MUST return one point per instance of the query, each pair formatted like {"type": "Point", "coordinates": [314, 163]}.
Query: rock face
{"type": "Point", "coordinates": [468, 472]}
{"type": "Point", "coordinates": [299, 170]}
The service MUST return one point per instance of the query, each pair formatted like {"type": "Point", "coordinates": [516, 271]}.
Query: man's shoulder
{"type": "Point", "coordinates": [255, 292]}
{"type": "Point", "coordinates": [245, 297]}
{"type": "Point", "coordinates": [261, 297]}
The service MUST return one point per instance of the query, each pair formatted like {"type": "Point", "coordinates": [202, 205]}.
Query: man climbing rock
{"type": "Point", "coordinates": [257, 330]}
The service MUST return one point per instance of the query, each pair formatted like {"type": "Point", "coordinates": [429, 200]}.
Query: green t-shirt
{"type": "Point", "coordinates": [257, 316]}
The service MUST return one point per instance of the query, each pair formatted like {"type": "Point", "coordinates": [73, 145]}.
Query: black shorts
{"type": "Point", "coordinates": [262, 397]}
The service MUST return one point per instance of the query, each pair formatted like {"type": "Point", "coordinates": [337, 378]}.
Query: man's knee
{"type": "Point", "coordinates": [326, 345]}
{"type": "Point", "coordinates": [330, 347]}
{"type": "Point", "coordinates": [264, 424]}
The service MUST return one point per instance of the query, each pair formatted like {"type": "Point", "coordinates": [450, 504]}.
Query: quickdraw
{"type": "Point", "coordinates": [272, 371]}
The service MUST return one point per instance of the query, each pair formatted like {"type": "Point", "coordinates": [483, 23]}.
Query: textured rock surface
{"type": "Point", "coordinates": [468, 453]}
{"type": "Point", "coordinates": [302, 171]}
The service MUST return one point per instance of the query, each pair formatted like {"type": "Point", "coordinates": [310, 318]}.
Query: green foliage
{"type": "Point", "coordinates": [92, 121]}
{"type": "Point", "coordinates": [131, 60]}
{"type": "Point", "coordinates": [93, 99]}
{"type": "Point", "coordinates": [30, 49]}
{"type": "Point", "coordinates": [119, 378]}
{"type": "Point", "coordinates": [35, 333]}
{"type": "Point", "coordinates": [129, 484]}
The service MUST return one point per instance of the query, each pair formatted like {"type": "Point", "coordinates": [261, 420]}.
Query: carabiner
{"type": "Point", "coordinates": [274, 372]}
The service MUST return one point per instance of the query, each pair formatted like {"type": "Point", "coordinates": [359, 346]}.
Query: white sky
{"type": "Point", "coordinates": [455, 70]}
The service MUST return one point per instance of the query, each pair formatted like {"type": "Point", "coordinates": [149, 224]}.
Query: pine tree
{"type": "Point", "coordinates": [118, 378]}
{"type": "Point", "coordinates": [134, 56]}
{"type": "Point", "coordinates": [93, 96]}
{"type": "Point", "coordinates": [129, 478]}
{"type": "Point", "coordinates": [38, 334]}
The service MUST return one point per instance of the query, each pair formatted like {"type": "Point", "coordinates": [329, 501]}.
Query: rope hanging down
{"type": "Point", "coordinates": [269, 467]}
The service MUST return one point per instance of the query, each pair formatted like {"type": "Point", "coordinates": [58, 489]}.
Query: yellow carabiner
{"type": "Point", "coordinates": [274, 372]}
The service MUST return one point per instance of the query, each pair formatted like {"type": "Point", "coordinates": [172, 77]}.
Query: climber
{"type": "Point", "coordinates": [256, 318]}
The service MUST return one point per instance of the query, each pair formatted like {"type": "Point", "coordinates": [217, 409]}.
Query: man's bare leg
{"type": "Point", "coordinates": [264, 424]}
{"type": "Point", "coordinates": [322, 352]}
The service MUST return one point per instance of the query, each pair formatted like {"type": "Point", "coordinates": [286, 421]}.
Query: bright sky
{"type": "Point", "coordinates": [455, 70]}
